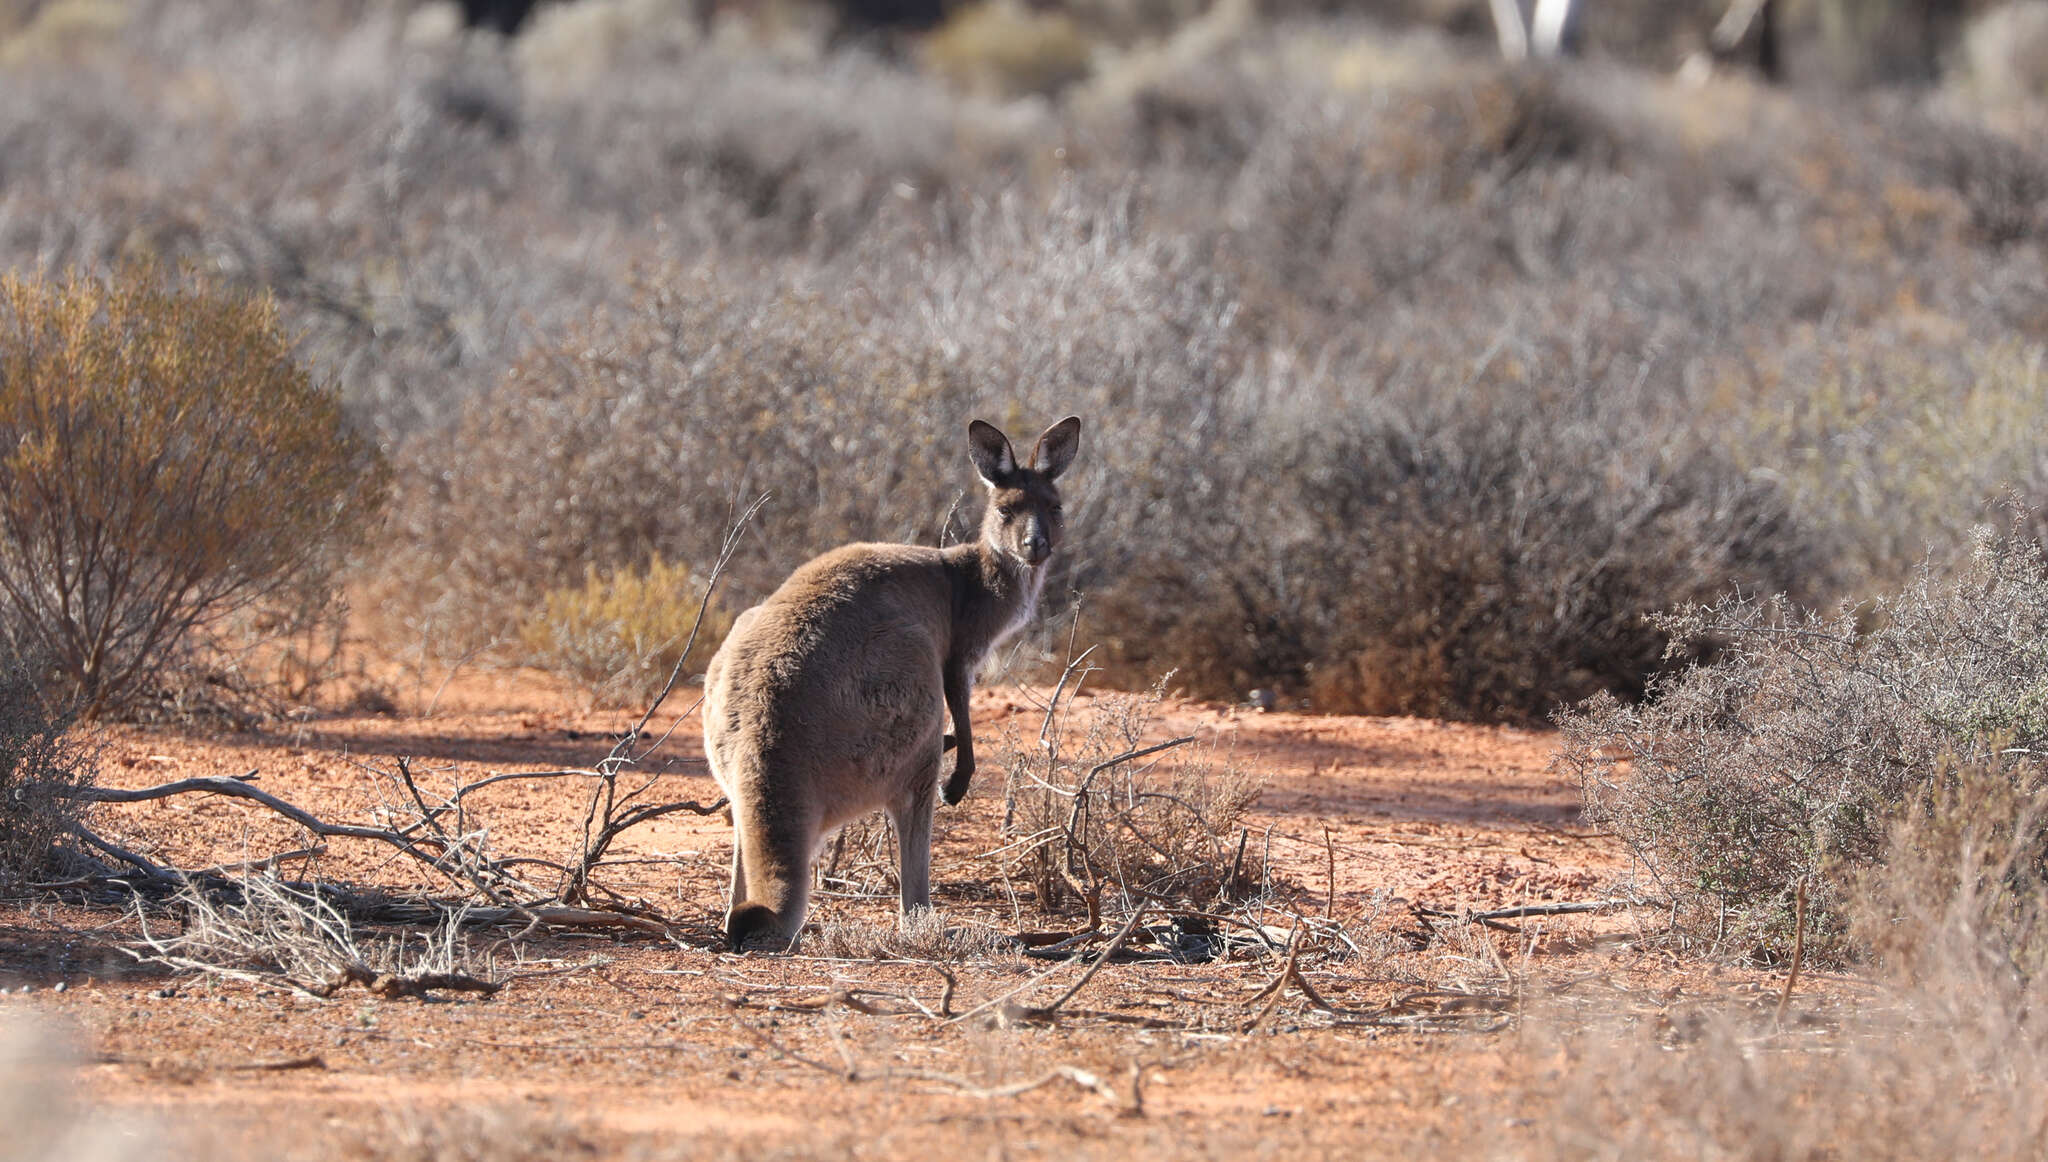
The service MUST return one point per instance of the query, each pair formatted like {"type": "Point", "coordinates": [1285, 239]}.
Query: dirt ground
{"type": "Point", "coordinates": [610, 1044]}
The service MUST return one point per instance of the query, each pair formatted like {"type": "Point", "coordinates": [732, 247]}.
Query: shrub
{"type": "Point", "coordinates": [1944, 1057]}
{"type": "Point", "coordinates": [1082, 809]}
{"type": "Point", "coordinates": [621, 634]}
{"type": "Point", "coordinates": [39, 764]}
{"type": "Point", "coordinates": [1470, 554]}
{"type": "Point", "coordinates": [1000, 49]}
{"type": "Point", "coordinates": [648, 429]}
{"type": "Point", "coordinates": [1788, 760]}
{"type": "Point", "coordinates": [163, 463]}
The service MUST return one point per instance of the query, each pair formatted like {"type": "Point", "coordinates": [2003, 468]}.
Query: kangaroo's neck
{"type": "Point", "coordinates": [995, 595]}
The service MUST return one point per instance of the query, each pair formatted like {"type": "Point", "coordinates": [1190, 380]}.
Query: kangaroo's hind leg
{"type": "Point", "coordinates": [912, 814]}
{"type": "Point", "coordinates": [772, 847]}
{"type": "Point", "coordinates": [738, 894]}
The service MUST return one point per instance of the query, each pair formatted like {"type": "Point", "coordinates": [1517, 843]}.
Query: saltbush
{"type": "Point", "coordinates": [1787, 760]}
{"type": "Point", "coordinates": [164, 463]}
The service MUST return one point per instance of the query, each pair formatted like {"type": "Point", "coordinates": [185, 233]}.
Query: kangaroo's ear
{"type": "Point", "coordinates": [990, 451]}
{"type": "Point", "coordinates": [1056, 447]}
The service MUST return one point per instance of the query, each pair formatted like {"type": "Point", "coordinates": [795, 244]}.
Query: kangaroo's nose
{"type": "Point", "coordinates": [1037, 548]}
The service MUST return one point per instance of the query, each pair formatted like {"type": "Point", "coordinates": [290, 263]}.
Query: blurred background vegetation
{"type": "Point", "coordinates": [1415, 378]}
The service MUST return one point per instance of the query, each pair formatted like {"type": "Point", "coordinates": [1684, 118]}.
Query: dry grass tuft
{"type": "Point", "coordinates": [1948, 1059]}
{"type": "Point", "coordinates": [923, 936]}
{"type": "Point", "coordinates": [262, 929]}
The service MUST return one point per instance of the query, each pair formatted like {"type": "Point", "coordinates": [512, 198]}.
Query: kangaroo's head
{"type": "Point", "coordinates": [1023, 521]}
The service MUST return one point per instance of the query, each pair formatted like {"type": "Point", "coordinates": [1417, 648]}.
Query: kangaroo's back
{"type": "Point", "coordinates": [828, 700]}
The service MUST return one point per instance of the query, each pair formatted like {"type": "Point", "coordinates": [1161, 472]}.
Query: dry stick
{"type": "Point", "coordinates": [239, 788]}
{"type": "Point", "coordinates": [1081, 1077]}
{"type": "Point", "coordinates": [1045, 742]}
{"type": "Point", "coordinates": [1277, 988]}
{"type": "Point", "coordinates": [140, 862]}
{"type": "Point", "coordinates": [391, 986]}
{"type": "Point", "coordinates": [1798, 954]}
{"type": "Point", "coordinates": [1563, 909]}
{"type": "Point", "coordinates": [1330, 852]}
{"type": "Point", "coordinates": [1035, 981]}
{"type": "Point", "coordinates": [1130, 926]}
{"type": "Point", "coordinates": [310, 1061]}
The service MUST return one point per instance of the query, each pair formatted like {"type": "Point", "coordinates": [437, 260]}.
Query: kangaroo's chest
{"type": "Point", "coordinates": [1033, 582]}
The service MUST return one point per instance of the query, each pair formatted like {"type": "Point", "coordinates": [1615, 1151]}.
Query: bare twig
{"type": "Point", "coordinates": [965, 1088]}
{"type": "Point", "coordinates": [1798, 954]}
{"type": "Point", "coordinates": [1277, 987]}
{"type": "Point", "coordinates": [1330, 852]}
{"type": "Point", "coordinates": [1123, 934]}
{"type": "Point", "coordinates": [1047, 1011]}
{"type": "Point", "coordinates": [1045, 738]}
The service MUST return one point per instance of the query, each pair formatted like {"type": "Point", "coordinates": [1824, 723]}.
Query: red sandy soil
{"type": "Point", "coordinates": [623, 1044]}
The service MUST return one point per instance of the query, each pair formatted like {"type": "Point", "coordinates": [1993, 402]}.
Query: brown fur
{"type": "Point", "coordinates": [829, 699]}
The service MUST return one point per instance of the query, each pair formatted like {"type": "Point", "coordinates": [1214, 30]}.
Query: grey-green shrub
{"type": "Point", "coordinates": [1788, 759]}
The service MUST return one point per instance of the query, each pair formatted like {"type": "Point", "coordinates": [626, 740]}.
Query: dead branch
{"type": "Point", "coordinates": [1562, 909]}
{"type": "Point", "coordinates": [1330, 851]}
{"type": "Point", "coordinates": [286, 1065]}
{"type": "Point", "coordinates": [1046, 741]}
{"type": "Point", "coordinates": [239, 787]}
{"type": "Point", "coordinates": [1277, 987]}
{"type": "Point", "coordinates": [393, 986]}
{"type": "Point", "coordinates": [142, 863]}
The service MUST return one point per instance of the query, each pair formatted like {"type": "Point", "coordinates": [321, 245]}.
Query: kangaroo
{"type": "Point", "coordinates": [828, 700]}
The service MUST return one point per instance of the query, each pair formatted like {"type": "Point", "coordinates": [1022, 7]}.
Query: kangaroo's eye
{"type": "Point", "coordinates": [1007, 511]}
{"type": "Point", "coordinates": [1059, 510]}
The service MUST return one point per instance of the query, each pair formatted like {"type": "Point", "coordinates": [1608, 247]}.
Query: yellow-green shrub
{"type": "Point", "coordinates": [164, 462]}
{"type": "Point", "coordinates": [1001, 50]}
{"type": "Point", "coordinates": [620, 634]}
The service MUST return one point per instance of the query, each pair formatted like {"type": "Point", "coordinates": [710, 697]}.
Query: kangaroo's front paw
{"type": "Point", "coordinates": [956, 785]}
